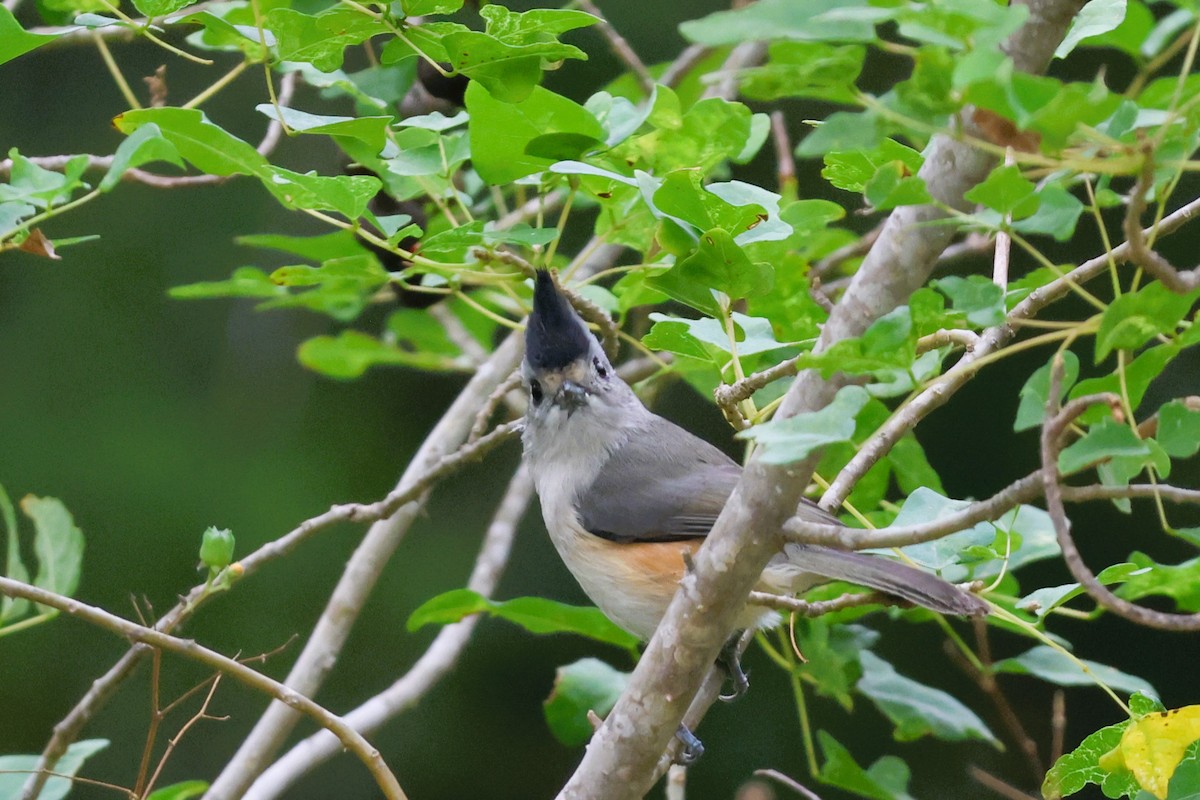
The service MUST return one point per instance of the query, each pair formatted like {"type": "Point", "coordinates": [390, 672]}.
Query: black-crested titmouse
{"type": "Point", "coordinates": [624, 492]}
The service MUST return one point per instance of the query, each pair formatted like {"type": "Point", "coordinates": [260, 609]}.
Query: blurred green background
{"type": "Point", "coordinates": [153, 419]}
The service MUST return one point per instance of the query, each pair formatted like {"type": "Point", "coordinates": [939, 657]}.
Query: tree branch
{"type": "Point", "coordinates": [359, 577]}
{"type": "Point", "coordinates": [348, 737]}
{"type": "Point", "coordinates": [620, 760]}
{"type": "Point", "coordinates": [1139, 252]}
{"type": "Point", "coordinates": [1052, 434]}
{"type": "Point", "coordinates": [103, 688]}
{"type": "Point", "coordinates": [429, 668]}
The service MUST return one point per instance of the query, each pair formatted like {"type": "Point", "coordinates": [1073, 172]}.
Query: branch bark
{"type": "Point", "coordinates": [620, 760]}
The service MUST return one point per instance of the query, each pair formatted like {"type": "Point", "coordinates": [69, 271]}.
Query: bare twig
{"type": "Point", "coordinates": [997, 785]}
{"type": "Point", "coordinates": [1140, 253]}
{"type": "Point", "coordinates": [1058, 724]}
{"type": "Point", "coordinates": [681, 66]}
{"type": "Point", "coordinates": [785, 162]}
{"type": "Point", "coordinates": [620, 47]}
{"type": "Point", "coordinates": [826, 266]}
{"type": "Point", "coordinates": [349, 738]}
{"type": "Point", "coordinates": [265, 147]}
{"type": "Point", "coordinates": [746, 54]}
{"type": "Point", "coordinates": [816, 608]}
{"type": "Point", "coordinates": [1052, 433]}
{"type": "Point", "coordinates": [789, 782]}
{"type": "Point", "coordinates": [174, 741]}
{"type": "Point", "coordinates": [429, 668]}
{"type": "Point", "coordinates": [967, 340]}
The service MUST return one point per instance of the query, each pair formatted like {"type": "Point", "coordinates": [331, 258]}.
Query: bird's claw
{"type": "Point", "coordinates": [692, 747]}
{"type": "Point", "coordinates": [732, 665]}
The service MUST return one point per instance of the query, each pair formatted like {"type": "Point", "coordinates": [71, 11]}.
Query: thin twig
{"type": "Point", "coordinates": [998, 786]}
{"type": "Point", "coordinates": [789, 782]}
{"type": "Point", "coordinates": [174, 741]}
{"type": "Point", "coordinates": [429, 668]}
{"type": "Point", "coordinates": [1058, 420]}
{"type": "Point", "coordinates": [681, 66]}
{"type": "Point", "coordinates": [189, 649]}
{"type": "Point", "coordinates": [816, 608]}
{"type": "Point", "coordinates": [785, 162]}
{"type": "Point", "coordinates": [620, 47]}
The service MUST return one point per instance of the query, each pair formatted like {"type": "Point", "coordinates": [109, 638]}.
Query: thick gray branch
{"type": "Point", "coordinates": [621, 758]}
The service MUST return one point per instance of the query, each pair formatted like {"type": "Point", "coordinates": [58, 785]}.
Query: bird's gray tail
{"type": "Point", "coordinates": [878, 573]}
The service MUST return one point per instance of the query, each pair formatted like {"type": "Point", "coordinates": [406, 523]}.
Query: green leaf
{"type": "Point", "coordinates": [813, 70]}
{"type": "Point", "coordinates": [507, 59]}
{"type": "Point", "coordinates": [372, 130]}
{"type": "Point", "coordinates": [886, 779]}
{"type": "Point", "coordinates": [1179, 429]}
{"type": "Point", "coordinates": [976, 296]}
{"type": "Point", "coordinates": [346, 194]}
{"type": "Point", "coordinates": [918, 710]}
{"type": "Point", "coordinates": [15, 40]}
{"type": "Point", "coordinates": [843, 130]}
{"type": "Point", "coordinates": [788, 440]}
{"type": "Point", "coordinates": [420, 8]}
{"type": "Point", "coordinates": [1180, 582]}
{"type": "Point", "coordinates": [180, 791]}
{"type": "Point", "coordinates": [1104, 440]}
{"type": "Point", "coordinates": [145, 144]}
{"type": "Point", "coordinates": [245, 282]}
{"type": "Point", "coordinates": [327, 246]}
{"type": "Point", "coordinates": [320, 39]}
{"type": "Point", "coordinates": [1055, 667]}
{"type": "Point", "coordinates": [1007, 192]}
{"type": "Point", "coordinates": [351, 353]}
{"type": "Point", "coordinates": [29, 184]}
{"type": "Point", "coordinates": [832, 650]}
{"type": "Point", "coordinates": [1133, 318]}
{"type": "Point", "coordinates": [1094, 19]}
{"type": "Point", "coordinates": [57, 543]}
{"type": "Point", "coordinates": [890, 188]}
{"type": "Point", "coordinates": [852, 169]}
{"type": "Point", "coordinates": [911, 468]}
{"type": "Point", "coordinates": [586, 685]}
{"type": "Point", "coordinates": [534, 614]}
{"type": "Point", "coordinates": [719, 263]}
{"type": "Point", "coordinates": [14, 568]}
{"type": "Point", "coordinates": [1056, 216]}
{"type": "Point", "coordinates": [796, 20]}
{"type": "Point", "coordinates": [14, 770]}
{"type": "Point", "coordinates": [1041, 602]}
{"type": "Point", "coordinates": [160, 8]}
{"type": "Point", "coordinates": [1138, 375]}
{"type": "Point", "coordinates": [206, 146]}
{"type": "Point", "coordinates": [1081, 766]}
{"type": "Point", "coordinates": [1035, 392]}
{"type": "Point", "coordinates": [500, 132]}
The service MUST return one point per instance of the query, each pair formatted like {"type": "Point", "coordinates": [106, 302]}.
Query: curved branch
{"type": "Point", "coordinates": [1052, 434]}
{"type": "Point", "coordinates": [1140, 253]}
{"type": "Point", "coordinates": [429, 668]}
{"type": "Point", "coordinates": [349, 738]}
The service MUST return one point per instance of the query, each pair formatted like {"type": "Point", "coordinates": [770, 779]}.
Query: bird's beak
{"type": "Point", "coordinates": [572, 395]}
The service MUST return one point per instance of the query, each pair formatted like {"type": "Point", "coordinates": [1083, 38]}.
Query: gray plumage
{"type": "Point", "coordinates": [616, 481]}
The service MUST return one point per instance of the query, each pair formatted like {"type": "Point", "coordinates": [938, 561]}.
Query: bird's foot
{"type": "Point", "coordinates": [731, 663]}
{"type": "Point", "coordinates": [692, 747]}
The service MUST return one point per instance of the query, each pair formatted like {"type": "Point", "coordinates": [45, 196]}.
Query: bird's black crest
{"type": "Point", "coordinates": [555, 335]}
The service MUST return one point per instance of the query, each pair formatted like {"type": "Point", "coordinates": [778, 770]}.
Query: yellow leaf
{"type": "Point", "coordinates": [1152, 747]}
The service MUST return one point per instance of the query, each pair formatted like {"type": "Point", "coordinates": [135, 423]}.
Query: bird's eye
{"type": "Point", "coordinates": [601, 370]}
{"type": "Point", "coordinates": [535, 392]}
